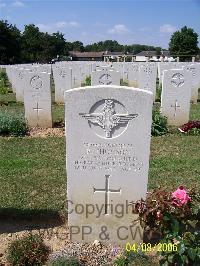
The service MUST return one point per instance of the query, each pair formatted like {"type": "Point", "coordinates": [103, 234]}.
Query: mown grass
{"type": "Point", "coordinates": [33, 172]}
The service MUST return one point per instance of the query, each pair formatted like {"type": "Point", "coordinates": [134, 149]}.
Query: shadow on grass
{"type": "Point", "coordinates": [15, 220]}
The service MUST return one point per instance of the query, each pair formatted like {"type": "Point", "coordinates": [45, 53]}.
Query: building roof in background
{"type": "Point", "coordinates": [96, 54]}
{"type": "Point", "coordinates": [147, 53]}
{"type": "Point", "coordinates": [86, 54]}
{"type": "Point", "coordinates": [153, 53]}
{"type": "Point", "coordinates": [165, 53]}
{"type": "Point", "coordinates": [107, 53]}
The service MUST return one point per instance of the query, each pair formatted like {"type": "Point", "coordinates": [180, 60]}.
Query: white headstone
{"type": "Point", "coordinates": [133, 75]}
{"type": "Point", "coordinates": [19, 84]}
{"type": "Point", "coordinates": [76, 76]}
{"type": "Point", "coordinates": [105, 77]}
{"type": "Point", "coordinates": [195, 82]}
{"type": "Point", "coordinates": [37, 100]}
{"type": "Point", "coordinates": [108, 132]}
{"type": "Point", "coordinates": [147, 77]}
{"type": "Point", "coordinates": [175, 98]}
{"type": "Point", "coordinates": [62, 81]}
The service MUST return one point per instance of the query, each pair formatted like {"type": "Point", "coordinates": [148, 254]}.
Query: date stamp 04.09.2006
{"type": "Point", "coordinates": [148, 247]}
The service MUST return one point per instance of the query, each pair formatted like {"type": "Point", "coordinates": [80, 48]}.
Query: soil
{"type": "Point", "coordinates": [46, 132]}
{"type": "Point", "coordinates": [55, 235]}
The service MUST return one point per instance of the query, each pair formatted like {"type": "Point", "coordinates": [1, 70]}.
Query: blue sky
{"type": "Point", "coordinates": [130, 21]}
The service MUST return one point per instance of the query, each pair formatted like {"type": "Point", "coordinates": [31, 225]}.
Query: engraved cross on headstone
{"type": "Point", "coordinates": [75, 79]}
{"type": "Point", "coordinates": [107, 191]}
{"type": "Point", "coordinates": [37, 109]}
{"type": "Point", "coordinates": [175, 107]}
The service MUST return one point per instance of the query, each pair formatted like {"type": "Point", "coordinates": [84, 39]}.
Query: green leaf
{"type": "Point", "coordinates": [170, 258]}
{"type": "Point", "coordinates": [175, 226]}
{"type": "Point", "coordinates": [192, 253]}
{"type": "Point", "coordinates": [165, 218]}
{"type": "Point", "coordinates": [181, 248]}
{"type": "Point", "coordinates": [163, 262]}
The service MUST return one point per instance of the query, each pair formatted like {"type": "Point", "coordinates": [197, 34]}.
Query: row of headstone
{"type": "Point", "coordinates": [108, 132]}
{"type": "Point", "coordinates": [131, 73]}
{"type": "Point", "coordinates": [70, 75]}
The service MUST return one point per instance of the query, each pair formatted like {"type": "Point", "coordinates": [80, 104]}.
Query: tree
{"type": "Point", "coordinates": [10, 42]}
{"type": "Point", "coordinates": [31, 43]}
{"type": "Point", "coordinates": [78, 46]}
{"type": "Point", "coordinates": [59, 43]}
{"type": "Point", "coordinates": [51, 46]}
{"type": "Point", "coordinates": [41, 47]}
{"type": "Point", "coordinates": [158, 51]}
{"type": "Point", "coordinates": [184, 43]}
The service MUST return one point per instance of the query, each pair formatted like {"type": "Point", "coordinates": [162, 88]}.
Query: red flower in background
{"type": "Point", "coordinates": [190, 125]}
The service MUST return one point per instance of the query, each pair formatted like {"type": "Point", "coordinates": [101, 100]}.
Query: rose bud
{"type": "Point", "coordinates": [159, 215]}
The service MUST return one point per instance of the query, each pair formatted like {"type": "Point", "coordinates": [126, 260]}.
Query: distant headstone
{"type": "Point", "coordinates": [133, 75]}
{"type": "Point", "coordinates": [161, 67]}
{"type": "Point", "coordinates": [126, 71]}
{"type": "Point", "coordinates": [147, 77]}
{"type": "Point", "coordinates": [62, 81]}
{"type": "Point", "coordinates": [105, 77]}
{"type": "Point", "coordinates": [76, 76]}
{"type": "Point", "coordinates": [20, 84]}
{"type": "Point", "coordinates": [195, 82]}
{"type": "Point", "coordinates": [37, 100]}
{"type": "Point", "coordinates": [108, 131]}
{"type": "Point", "coordinates": [175, 98]}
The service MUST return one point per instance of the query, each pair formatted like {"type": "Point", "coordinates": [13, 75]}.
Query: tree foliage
{"type": "Point", "coordinates": [114, 46]}
{"type": "Point", "coordinates": [184, 43]}
{"type": "Point", "coordinates": [9, 43]}
{"type": "Point", "coordinates": [32, 45]}
{"type": "Point", "coordinates": [39, 46]}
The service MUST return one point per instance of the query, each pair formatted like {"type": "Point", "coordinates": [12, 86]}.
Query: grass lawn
{"type": "Point", "coordinates": [32, 170]}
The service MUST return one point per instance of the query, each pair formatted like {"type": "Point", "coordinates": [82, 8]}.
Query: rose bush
{"type": "Point", "coordinates": [176, 217]}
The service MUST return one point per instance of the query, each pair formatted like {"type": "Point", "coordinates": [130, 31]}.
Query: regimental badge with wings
{"type": "Point", "coordinates": [108, 119]}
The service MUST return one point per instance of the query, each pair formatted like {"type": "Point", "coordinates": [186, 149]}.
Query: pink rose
{"type": "Point", "coordinates": [159, 215]}
{"type": "Point", "coordinates": [180, 196]}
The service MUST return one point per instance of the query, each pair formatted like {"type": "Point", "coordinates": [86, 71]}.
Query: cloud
{"type": "Point", "coordinates": [167, 28]}
{"type": "Point", "coordinates": [60, 24]}
{"type": "Point", "coordinates": [73, 24]}
{"type": "Point", "coordinates": [44, 27]}
{"type": "Point", "coordinates": [18, 4]}
{"type": "Point", "coordinates": [144, 29]}
{"type": "Point", "coordinates": [84, 34]}
{"type": "Point", "coordinates": [52, 27]}
{"type": "Point", "coordinates": [119, 29]}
